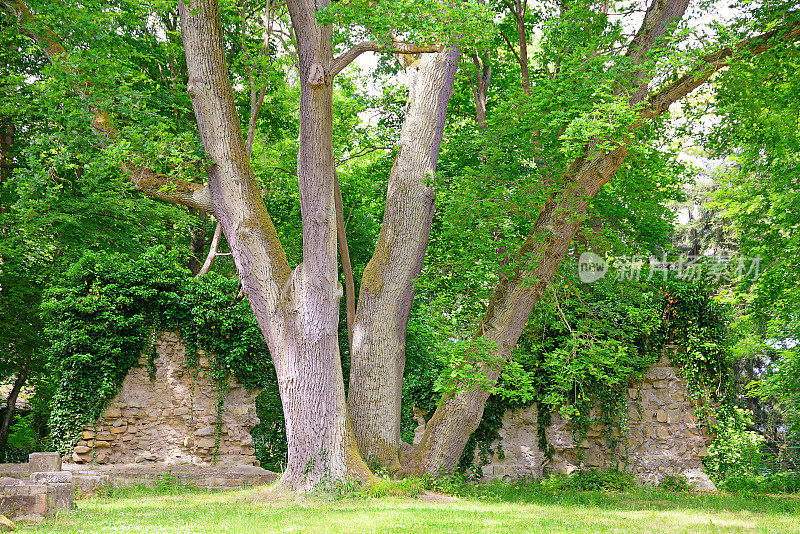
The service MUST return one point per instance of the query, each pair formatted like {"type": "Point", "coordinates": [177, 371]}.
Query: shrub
{"type": "Point", "coordinates": [592, 480]}
{"type": "Point", "coordinates": [769, 483]}
{"type": "Point", "coordinates": [736, 451]}
{"type": "Point", "coordinates": [675, 483]}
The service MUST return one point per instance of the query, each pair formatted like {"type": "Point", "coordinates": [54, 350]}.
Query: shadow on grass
{"type": "Point", "coordinates": [641, 498]}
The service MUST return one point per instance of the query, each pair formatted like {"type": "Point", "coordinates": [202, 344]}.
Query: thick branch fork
{"type": "Point", "coordinates": [658, 102]}
{"type": "Point", "coordinates": [396, 47]}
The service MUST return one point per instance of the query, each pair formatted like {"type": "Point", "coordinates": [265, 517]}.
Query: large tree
{"type": "Point", "coordinates": [297, 308]}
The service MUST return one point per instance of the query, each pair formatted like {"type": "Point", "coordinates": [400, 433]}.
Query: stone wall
{"type": "Point", "coordinates": [171, 419]}
{"type": "Point", "coordinates": [664, 437]}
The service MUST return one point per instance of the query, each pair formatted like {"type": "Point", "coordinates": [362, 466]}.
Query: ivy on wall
{"type": "Point", "coordinates": [584, 345]}
{"type": "Point", "coordinates": [101, 317]}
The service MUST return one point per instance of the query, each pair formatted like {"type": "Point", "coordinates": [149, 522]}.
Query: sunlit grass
{"type": "Point", "coordinates": [496, 508]}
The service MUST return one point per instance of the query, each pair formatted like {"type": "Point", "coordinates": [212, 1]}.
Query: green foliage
{"type": "Point", "coordinates": [24, 435]}
{"type": "Point", "coordinates": [736, 451]}
{"type": "Point", "coordinates": [269, 435]}
{"type": "Point", "coordinates": [675, 483]}
{"type": "Point", "coordinates": [591, 480]}
{"type": "Point", "coordinates": [758, 132]}
{"type": "Point", "coordinates": [786, 482]}
{"type": "Point", "coordinates": [99, 317]}
{"type": "Point", "coordinates": [406, 487]}
{"type": "Point", "coordinates": [419, 21]}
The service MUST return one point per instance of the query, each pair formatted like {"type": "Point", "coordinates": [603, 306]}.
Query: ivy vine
{"type": "Point", "coordinates": [101, 317]}
{"type": "Point", "coordinates": [585, 344]}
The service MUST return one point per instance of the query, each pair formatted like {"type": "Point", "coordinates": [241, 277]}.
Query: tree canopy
{"type": "Point", "coordinates": [525, 135]}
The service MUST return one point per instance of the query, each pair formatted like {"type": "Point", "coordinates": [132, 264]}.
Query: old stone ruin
{"type": "Point", "coordinates": [664, 437]}
{"type": "Point", "coordinates": [29, 495]}
{"type": "Point", "coordinates": [172, 419]}
{"type": "Point", "coordinates": [170, 426]}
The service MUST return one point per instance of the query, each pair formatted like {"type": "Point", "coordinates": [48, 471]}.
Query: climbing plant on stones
{"type": "Point", "coordinates": [588, 342]}
{"type": "Point", "coordinates": [102, 313]}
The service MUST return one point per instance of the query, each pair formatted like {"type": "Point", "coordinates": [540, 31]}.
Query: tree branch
{"type": "Point", "coordinates": [511, 47]}
{"type": "Point", "coordinates": [344, 254]}
{"type": "Point", "coordinates": [660, 101]}
{"type": "Point", "coordinates": [397, 47]}
{"type": "Point", "coordinates": [659, 16]}
{"type": "Point", "coordinates": [173, 190]}
{"type": "Point", "coordinates": [212, 251]}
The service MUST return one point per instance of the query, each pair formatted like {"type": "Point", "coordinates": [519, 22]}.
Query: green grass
{"type": "Point", "coordinates": [496, 508]}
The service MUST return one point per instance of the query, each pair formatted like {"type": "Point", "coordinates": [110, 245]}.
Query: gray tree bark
{"type": "Point", "coordinates": [387, 286]}
{"type": "Point", "coordinates": [296, 310]}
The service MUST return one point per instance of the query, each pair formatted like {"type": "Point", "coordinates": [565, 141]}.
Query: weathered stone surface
{"type": "Point", "coordinates": [25, 499]}
{"type": "Point", "coordinates": [60, 477]}
{"type": "Point", "coordinates": [663, 437]}
{"type": "Point", "coordinates": [699, 480]}
{"type": "Point", "coordinates": [60, 496]}
{"type": "Point", "coordinates": [6, 525]}
{"type": "Point", "coordinates": [44, 461]}
{"type": "Point", "coordinates": [30, 519]}
{"type": "Point", "coordinates": [172, 419]}
{"type": "Point", "coordinates": [218, 476]}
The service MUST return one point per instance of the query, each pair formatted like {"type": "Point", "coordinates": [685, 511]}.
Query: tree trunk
{"type": "Point", "coordinates": [513, 300]}
{"type": "Point", "coordinates": [296, 310]}
{"type": "Point", "coordinates": [11, 405]}
{"type": "Point", "coordinates": [387, 287]}
{"type": "Point", "coordinates": [515, 296]}
{"type": "Point", "coordinates": [480, 80]}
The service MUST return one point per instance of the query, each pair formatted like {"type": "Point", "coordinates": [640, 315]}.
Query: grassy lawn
{"type": "Point", "coordinates": [496, 508]}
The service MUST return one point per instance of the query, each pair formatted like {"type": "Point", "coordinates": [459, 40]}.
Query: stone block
{"type": "Point", "coordinates": [205, 443]}
{"type": "Point", "coordinates": [52, 477]}
{"type": "Point", "coordinates": [112, 412]}
{"type": "Point", "coordinates": [206, 431]}
{"type": "Point", "coordinates": [24, 500]}
{"type": "Point", "coordinates": [88, 434]}
{"type": "Point", "coordinates": [60, 496]}
{"type": "Point", "coordinates": [31, 519]}
{"type": "Point", "coordinates": [661, 416]}
{"type": "Point", "coordinates": [44, 461]}
{"type": "Point", "coordinates": [699, 480]}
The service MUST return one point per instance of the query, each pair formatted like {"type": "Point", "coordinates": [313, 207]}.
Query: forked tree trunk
{"type": "Point", "coordinates": [387, 286]}
{"type": "Point", "coordinates": [296, 310]}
